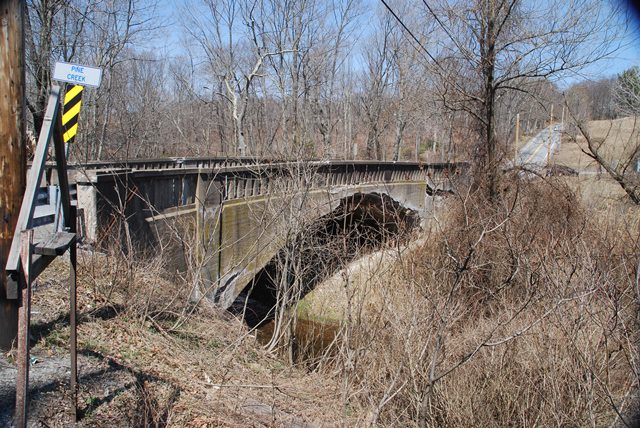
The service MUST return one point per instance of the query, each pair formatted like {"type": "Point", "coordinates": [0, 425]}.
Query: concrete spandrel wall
{"type": "Point", "coordinates": [107, 197]}
{"type": "Point", "coordinates": [254, 229]}
{"type": "Point", "coordinates": [87, 202]}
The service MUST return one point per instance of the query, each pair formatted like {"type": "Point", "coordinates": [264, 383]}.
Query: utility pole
{"type": "Point", "coordinates": [550, 134]}
{"type": "Point", "coordinates": [12, 150]}
{"type": "Point", "coordinates": [517, 142]}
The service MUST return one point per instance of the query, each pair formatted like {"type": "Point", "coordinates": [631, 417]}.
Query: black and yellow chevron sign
{"type": "Point", "coordinates": [71, 112]}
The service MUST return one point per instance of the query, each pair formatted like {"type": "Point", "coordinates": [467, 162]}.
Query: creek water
{"type": "Point", "coordinates": [313, 339]}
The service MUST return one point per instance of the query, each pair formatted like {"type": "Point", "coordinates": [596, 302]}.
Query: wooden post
{"type": "Point", "coordinates": [12, 150]}
{"type": "Point", "coordinates": [73, 341]}
{"type": "Point", "coordinates": [22, 381]}
{"type": "Point", "coordinates": [517, 141]}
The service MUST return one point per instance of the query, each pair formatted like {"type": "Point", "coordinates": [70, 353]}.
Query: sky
{"type": "Point", "coordinates": [628, 54]}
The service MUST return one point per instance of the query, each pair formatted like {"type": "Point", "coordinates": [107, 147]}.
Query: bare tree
{"type": "Point", "coordinates": [86, 31]}
{"type": "Point", "coordinates": [228, 36]}
{"type": "Point", "coordinates": [409, 89]}
{"type": "Point", "coordinates": [139, 109]}
{"type": "Point", "coordinates": [334, 51]}
{"type": "Point", "coordinates": [491, 47]}
{"type": "Point", "coordinates": [40, 24]}
{"type": "Point", "coordinates": [377, 80]}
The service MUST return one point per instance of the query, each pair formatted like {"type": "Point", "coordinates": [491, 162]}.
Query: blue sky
{"type": "Point", "coordinates": [628, 55]}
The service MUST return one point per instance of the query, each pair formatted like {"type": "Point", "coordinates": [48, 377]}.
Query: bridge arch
{"type": "Point", "coordinates": [248, 233]}
{"type": "Point", "coordinates": [361, 222]}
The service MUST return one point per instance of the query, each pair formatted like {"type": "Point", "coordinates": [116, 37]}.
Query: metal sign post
{"type": "Point", "coordinates": [70, 117]}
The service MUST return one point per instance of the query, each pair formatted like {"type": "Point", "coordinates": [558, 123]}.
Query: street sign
{"type": "Point", "coordinates": [77, 73]}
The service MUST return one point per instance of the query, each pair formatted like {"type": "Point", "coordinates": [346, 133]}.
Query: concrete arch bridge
{"type": "Point", "coordinates": [232, 217]}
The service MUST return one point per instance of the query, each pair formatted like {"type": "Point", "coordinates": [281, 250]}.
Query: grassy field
{"type": "Point", "coordinates": [571, 155]}
{"type": "Point", "coordinates": [615, 137]}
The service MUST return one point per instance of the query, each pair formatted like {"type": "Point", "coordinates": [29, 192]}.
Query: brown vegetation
{"type": "Point", "coordinates": [521, 312]}
{"type": "Point", "coordinates": [522, 315]}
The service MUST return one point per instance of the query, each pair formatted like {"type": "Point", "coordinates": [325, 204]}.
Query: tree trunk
{"type": "Point", "coordinates": [488, 165]}
{"type": "Point", "coordinates": [400, 125]}
{"type": "Point", "coordinates": [373, 144]}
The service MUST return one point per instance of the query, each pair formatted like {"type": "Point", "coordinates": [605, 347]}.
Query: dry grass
{"type": "Point", "coordinates": [220, 371]}
{"type": "Point", "coordinates": [572, 156]}
{"type": "Point", "coordinates": [618, 138]}
{"type": "Point", "coordinates": [518, 315]}
{"type": "Point", "coordinates": [206, 370]}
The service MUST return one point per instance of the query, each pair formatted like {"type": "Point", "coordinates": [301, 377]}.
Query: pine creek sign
{"type": "Point", "coordinates": [77, 74]}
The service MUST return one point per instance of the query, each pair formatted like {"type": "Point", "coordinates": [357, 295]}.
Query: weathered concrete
{"type": "Point", "coordinates": [245, 234]}
{"type": "Point", "coordinates": [227, 222]}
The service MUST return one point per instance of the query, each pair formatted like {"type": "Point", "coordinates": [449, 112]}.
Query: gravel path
{"type": "Point", "coordinates": [46, 374]}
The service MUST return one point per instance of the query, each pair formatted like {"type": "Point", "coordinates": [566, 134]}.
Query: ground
{"type": "Point", "coordinates": [134, 371]}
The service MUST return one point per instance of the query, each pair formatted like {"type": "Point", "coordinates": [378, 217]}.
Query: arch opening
{"type": "Point", "coordinates": [361, 223]}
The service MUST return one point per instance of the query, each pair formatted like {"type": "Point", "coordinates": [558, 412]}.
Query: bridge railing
{"type": "Point", "coordinates": [173, 163]}
{"type": "Point", "coordinates": [257, 180]}
{"type": "Point", "coordinates": [189, 163]}
{"type": "Point", "coordinates": [144, 190]}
